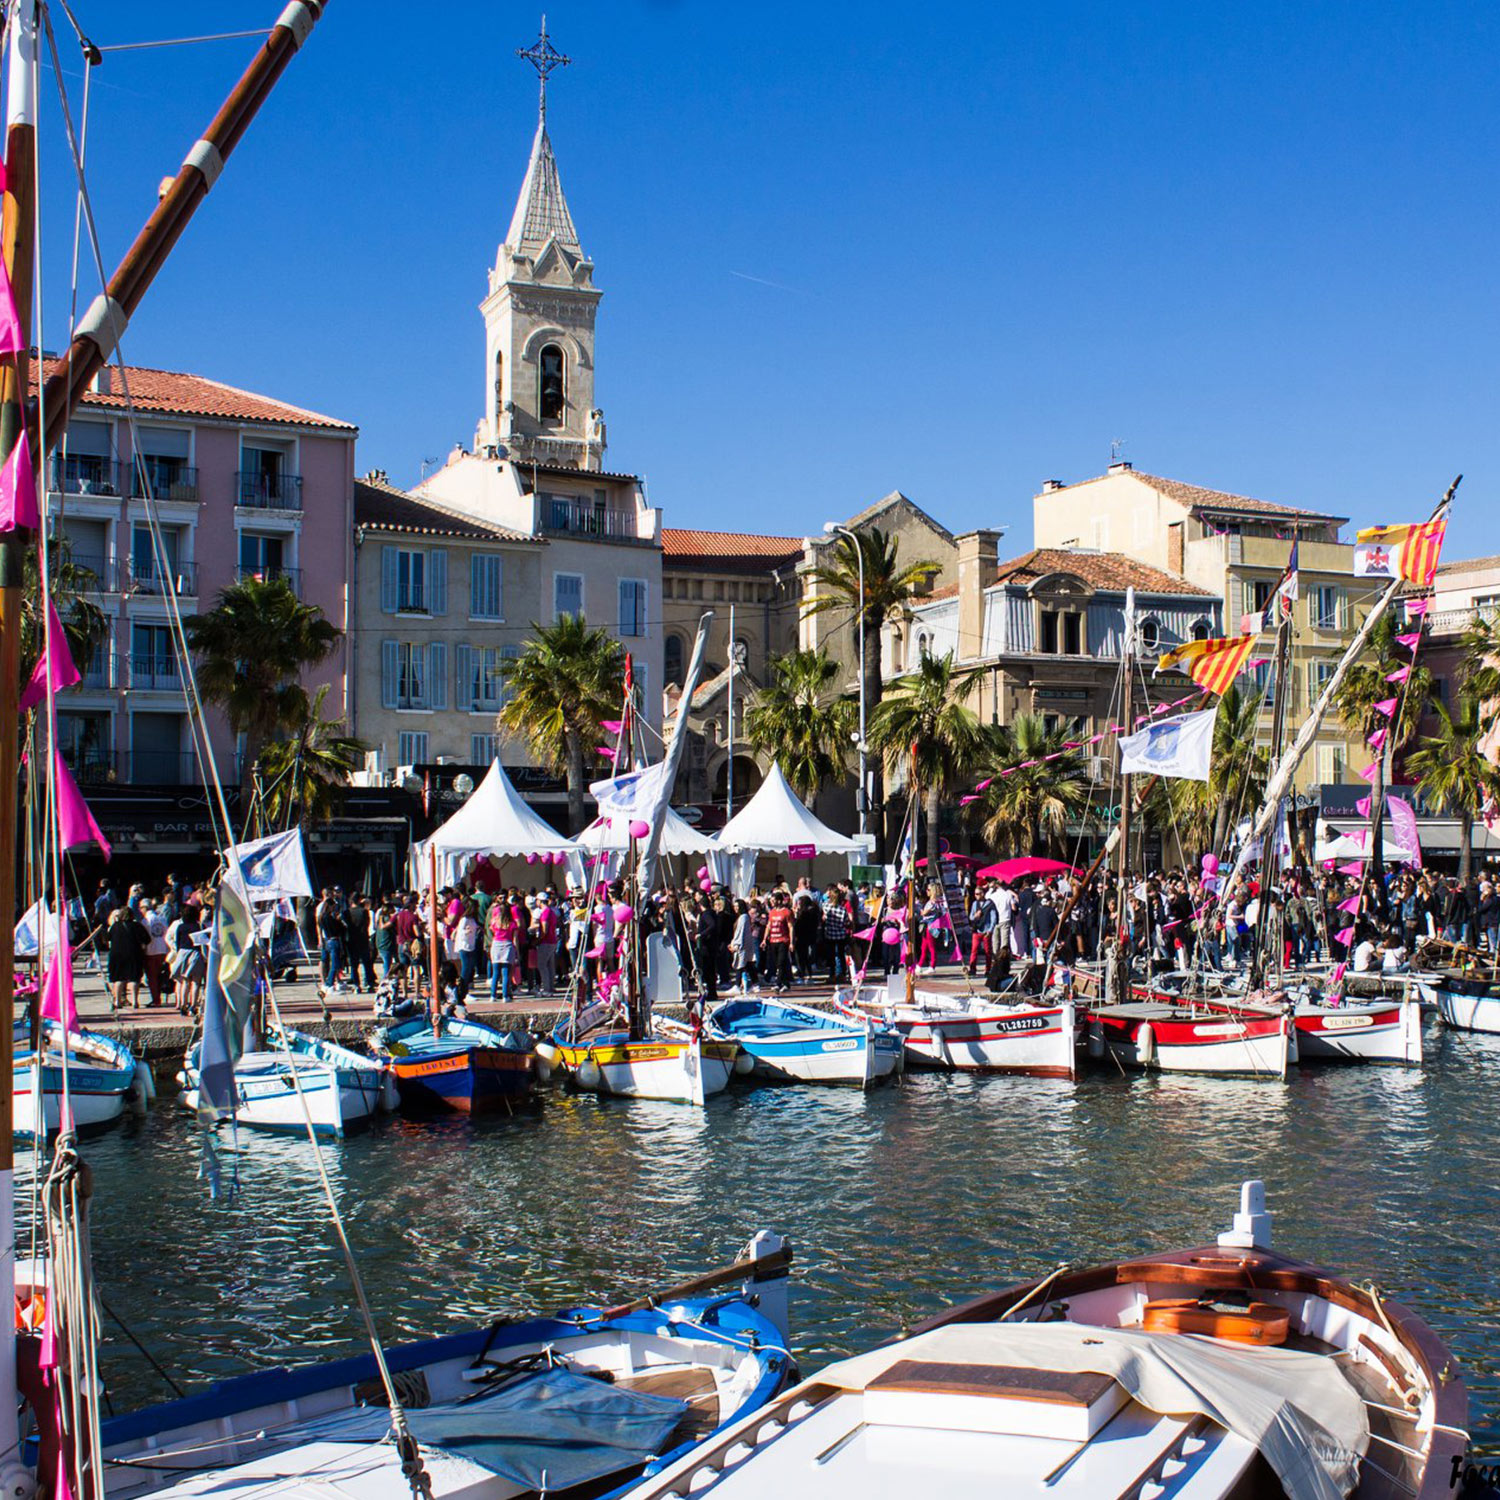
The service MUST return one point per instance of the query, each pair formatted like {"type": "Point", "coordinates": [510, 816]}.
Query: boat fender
{"type": "Point", "coordinates": [182, 1078]}
{"type": "Point", "coordinates": [744, 1064]}
{"type": "Point", "coordinates": [1145, 1045]}
{"type": "Point", "coordinates": [546, 1051]}
{"type": "Point", "coordinates": [543, 1068]}
{"type": "Point", "coordinates": [1096, 1042]}
{"type": "Point", "coordinates": [588, 1075]}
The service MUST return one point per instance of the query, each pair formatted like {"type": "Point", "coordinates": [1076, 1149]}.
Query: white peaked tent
{"type": "Point", "coordinates": [677, 835]}
{"type": "Point", "coordinates": [493, 821]}
{"type": "Point", "coordinates": [774, 821]}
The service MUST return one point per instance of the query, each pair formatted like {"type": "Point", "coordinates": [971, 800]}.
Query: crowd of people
{"type": "Point", "coordinates": [509, 942]}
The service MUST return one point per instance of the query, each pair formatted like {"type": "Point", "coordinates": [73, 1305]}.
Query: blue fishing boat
{"type": "Point", "coordinates": [457, 1064]}
{"type": "Point", "coordinates": [104, 1077]}
{"type": "Point", "coordinates": [583, 1402]}
{"type": "Point", "coordinates": [797, 1043]}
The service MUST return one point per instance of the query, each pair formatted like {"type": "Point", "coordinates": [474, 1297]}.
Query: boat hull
{"type": "Point", "coordinates": [794, 1044]}
{"type": "Point", "coordinates": [1228, 1045]}
{"type": "Point", "coordinates": [101, 1081]}
{"type": "Point", "coordinates": [1385, 1032]}
{"type": "Point", "coordinates": [1035, 1039]}
{"type": "Point", "coordinates": [470, 1080]}
{"type": "Point", "coordinates": [333, 1099]}
{"type": "Point", "coordinates": [687, 1071]}
{"type": "Point", "coordinates": [1467, 1012]}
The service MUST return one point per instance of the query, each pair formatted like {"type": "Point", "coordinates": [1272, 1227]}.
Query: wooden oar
{"type": "Point", "coordinates": [757, 1270]}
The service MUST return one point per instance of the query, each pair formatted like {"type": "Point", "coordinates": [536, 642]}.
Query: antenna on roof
{"type": "Point", "coordinates": [1116, 448]}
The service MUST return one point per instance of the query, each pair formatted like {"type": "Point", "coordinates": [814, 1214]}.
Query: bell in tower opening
{"type": "Point", "coordinates": [552, 398]}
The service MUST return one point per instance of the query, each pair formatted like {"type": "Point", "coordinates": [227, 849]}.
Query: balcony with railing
{"type": "Point", "coordinates": [258, 490]}
{"type": "Point", "coordinates": [568, 515]}
{"type": "Point", "coordinates": [291, 576]}
{"type": "Point", "coordinates": [93, 574]}
{"type": "Point", "coordinates": [163, 478]}
{"type": "Point", "coordinates": [86, 474]}
{"type": "Point", "coordinates": [1457, 621]}
{"type": "Point", "coordinates": [144, 575]}
{"type": "Point", "coordinates": [154, 672]}
{"type": "Point", "coordinates": [102, 672]}
{"type": "Point", "coordinates": [93, 767]}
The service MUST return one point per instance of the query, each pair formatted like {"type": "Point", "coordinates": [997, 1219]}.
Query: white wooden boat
{"type": "Point", "coordinates": [1094, 1383]}
{"type": "Point", "coordinates": [947, 1026]}
{"type": "Point", "coordinates": [580, 1402]}
{"type": "Point", "coordinates": [673, 1064]}
{"type": "Point", "coordinates": [104, 1080]}
{"type": "Point", "coordinates": [799, 1044]}
{"type": "Point", "coordinates": [1162, 1037]}
{"type": "Point", "coordinates": [1384, 1031]}
{"type": "Point", "coordinates": [341, 1089]}
{"type": "Point", "coordinates": [1465, 1003]}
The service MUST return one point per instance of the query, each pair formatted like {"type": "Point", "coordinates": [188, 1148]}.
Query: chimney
{"type": "Point", "coordinates": [101, 383]}
{"type": "Point", "coordinates": [978, 559]}
{"type": "Point", "coordinates": [1121, 466]}
{"type": "Point", "coordinates": [1049, 486]}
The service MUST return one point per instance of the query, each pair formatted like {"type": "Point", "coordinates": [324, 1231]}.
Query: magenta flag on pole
{"type": "Point", "coordinates": [611, 726]}
{"type": "Point", "coordinates": [55, 665]}
{"type": "Point", "coordinates": [1362, 807]}
{"type": "Point", "coordinates": [58, 1003]}
{"type": "Point", "coordinates": [75, 823]}
{"type": "Point", "coordinates": [1416, 608]}
{"type": "Point", "coordinates": [1338, 972]}
{"type": "Point", "coordinates": [1399, 675]}
{"type": "Point", "coordinates": [1351, 905]}
{"type": "Point", "coordinates": [1369, 772]}
{"type": "Point", "coordinates": [1404, 825]}
{"type": "Point", "coordinates": [1343, 935]}
{"type": "Point", "coordinates": [966, 800]}
{"type": "Point", "coordinates": [1352, 868]}
{"type": "Point", "coordinates": [984, 786]}
{"type": "Point", "coordinates": [11, 341]}
{"type": "Point", "coordinates": [1377, 740]}
{"type": "Point", "coordinates": [1386, 706]}
{"type": "Point", "coordinates": [1410, 639]}
{"type": "Point", "coordinates": [18, 489]}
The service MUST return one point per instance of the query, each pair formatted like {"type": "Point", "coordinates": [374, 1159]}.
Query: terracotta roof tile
{"type": "Point", "coordinates": [1196, 496]}
{"type": "Point", "coordinates": [726, 551]}
{"type": "Point", "coordinates": [383, 507]}
{"type": "Point", "coordinates": [1101, 570]}
{"type": "Point", "coordinates": [170, 392]}
{"type": "Point", "coordinates": [1470, 565]}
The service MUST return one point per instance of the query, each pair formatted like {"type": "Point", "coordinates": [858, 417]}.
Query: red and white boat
{"type": "Point", "coordinates": [1386, 1031]}
{"type": "Point", "coordinates": [945, 1025]}
{"type": "Point", "coordinates": [1161, 1037]}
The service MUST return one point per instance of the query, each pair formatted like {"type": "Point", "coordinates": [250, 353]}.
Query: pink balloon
{"type": "Point", "coordinates": [531, 859]}
{"type": "Point", "coordinates": [891, 935]}
{"type": "Point", "coordinates": [702, 872]}
{"type": "Point", "coordinates": [705, 885]}
{"type": "Point", "coordinates": [624, 913]}
{"type": "Point", "coordinates": [639, 830]}
{"type": "Point", "coordinates": [1210, 864]}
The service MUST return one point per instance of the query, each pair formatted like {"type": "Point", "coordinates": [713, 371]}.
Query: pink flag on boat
{"type": "Point", "coordinates": [1377, 740]}
{"type": "Point", "coordinates": [984, 785]}
{"type": "Point", "coordinates": [18, 489]}
{"type": "Point", "coordinates": [58, 1003]}
{"type": "Point", "coordinates": [1370, 772]}
{"type": "Point", "coordinates": [1351, 905]}
{"type": "Point", "coordinates": [1399, 675]}
{"type": "Point", "coordinates": [55, 665]}
{"type": "Point", "coordinates": [11, 340]}
{"type": "Point", "coordinates": [607, 751]}
{"type": "Point", "coordinates": [1410, 639]}
{"type": "Point", "coordinates": [1416, 608]}
{"type": "Point", "coordinates": [1352, 868]}
{"type": "Point", "coordinates": [1344, 935]}
{"type": "Point", "coordinates": [1338, 973]}
{"type": "Point", "coordinates": [1362, 807]}
{"type": "Point", "coordinates": [610, 726]}
{"type": "Point", "coordinates": [1386, 706]}
{"type": "Point", "coordinates": [75, 823]}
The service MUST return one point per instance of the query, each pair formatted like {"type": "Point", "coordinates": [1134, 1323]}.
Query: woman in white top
{"type": "Point", "coordinates": [466, 946]}
{"type": "Point", "coordinates": [156, 948]}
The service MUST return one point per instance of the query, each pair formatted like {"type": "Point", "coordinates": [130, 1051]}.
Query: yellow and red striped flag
{"type": "Point", "coordinates": [1409, 552]}
{"type": "Point", "coordinates": [1211, 664]}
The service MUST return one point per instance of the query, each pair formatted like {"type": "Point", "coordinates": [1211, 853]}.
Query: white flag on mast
{"type": "Point", "coordinates": [271, 868]}
{"type": "Point", "coordinates": [1178, 747]}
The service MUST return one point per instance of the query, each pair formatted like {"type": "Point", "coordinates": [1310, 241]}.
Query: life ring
{"type": "Point", "coordinates": [1240, 1323]}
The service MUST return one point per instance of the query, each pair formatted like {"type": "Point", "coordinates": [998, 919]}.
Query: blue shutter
{"type": "Point", "coordinates": [388, 672]}
{"type": "Point", "coordinates": [567, 592]}
{"type": "Point", "coordinates": [437, 675]}
{"type": "Point", "coordinates": [463, 677]}
{"type": "Point", "coordinates": [437, 581]}
{"type": "Point", "coordinates": [388, 584]}
{"type": "Point", "coordinates": [477, 596]}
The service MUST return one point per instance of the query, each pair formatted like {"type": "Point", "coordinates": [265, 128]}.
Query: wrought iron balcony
{"type": "Point", "coordinates": [85, 474]}
{"type": "Point", "coordinates": [262, 491]}
{"type": "Point", "coordinates": [163, 478]}
{"type": "Point", "coordinates": [151, 671]}
{"type": "Point", "coordinates": [291, 576]}
{"type": "Point", "coordinates": [145, 576]}
{"type": "Point", "coordinates": [567, 515]}
{"type": "Point", "coordinates": [93, 574]}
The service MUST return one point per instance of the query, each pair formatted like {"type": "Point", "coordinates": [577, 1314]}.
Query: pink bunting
{"type": "Point", "coordinates": [1095, 740]}
{"type": "Point", "coordinates": [966, 800]}
{"type": "Point", "coordinates": [1377, 740]}
{"type": "Point", "coordinates": [1416, 608]}
{"type": "Point", "coordinates": [55, 665]}
{"type": "Point", "coordinates": [1027, 764]}
{"type": "Point", "coordinates": [1386, 706]}
{"type": "Point", "coordinates": [1399, 675]}
{"type": "Point", "coordinates": [984, 785]}
{"type": "Point", "coordinates": [610, 726]}
{"type": "Point", "coordinates": [1353, 868]}
{"type": "Point", "coordinates": [607, 751]}
{"type": "Point", "coordinates": [11, 339]}
{"type": "Point", "coordinates": [1338, 974]}
{"type": "Point", "coordinates": [1351, 905]}
{"type": "Point", "coordinates": [1362, 807]}
{"type": "Point", "coordinates": [58, 1003]}
{"type": "Point", "coordinates": [1369, 773]}
{"type": "Point", "coordinates": [1410, 639]}
{"type": "Point", "coordinates": [1344, 935]}
{"type": "Point", "coordinates": [18, 489]}
{"type": "Point", "coordinates": [75, 823]}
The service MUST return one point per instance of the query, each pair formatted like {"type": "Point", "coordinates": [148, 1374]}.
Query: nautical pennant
{"type": "Point", "coordinates": [1213, 665]}
{"type": "Point", "coordinates": [1409, 552]}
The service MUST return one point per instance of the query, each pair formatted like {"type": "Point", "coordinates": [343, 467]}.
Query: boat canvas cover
{"type": "Point", "coordinates": [1297, 1409]}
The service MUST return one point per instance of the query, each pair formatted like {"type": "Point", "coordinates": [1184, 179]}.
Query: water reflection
{"type": "Point", "coordinates": [898, 1201]}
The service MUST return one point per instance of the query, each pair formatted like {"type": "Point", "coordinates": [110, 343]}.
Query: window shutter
{"type": "Point", "coordinates": [388, 671]}
{"type": "Point", "coordinates": [508, 654]}
{"type": "Point", "coordinates": [437, 675]}
{"type": "Point", "coordinates": [1341, 610]}
{"type": "Point", "coordinates": [388, 580]}
{"type": "Point", "coordinates": [437, 581]}
{"type": "Point", "coordinates": [463, 678]}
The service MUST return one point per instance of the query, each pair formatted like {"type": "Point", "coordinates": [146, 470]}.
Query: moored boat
{"type": "Point", "coordinates": [1094, 1382]}
{"type": "Point", "coordinates": [1466, 1002]}
{"type": "Point", "coordinates": [452, 1064]}
{"type": "Point", "coordinates": [800, 1044]}
{"type": "Point", "coordinates": [104, 1078]}
{"type": "Point", "coordinates": [676, 1064]}
{"type": "Point", "coordinates": [1158, 1036]}
{"type": "Point", "coordinates": [1359, 1031]}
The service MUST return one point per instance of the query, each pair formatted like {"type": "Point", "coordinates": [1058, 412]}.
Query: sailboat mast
{"type": "Point", "coordinates": [17, 243]}
{"type": "Point", "coordinates": [911, 886]}
{"type": "Point", "coordinates": [1271, 853]}
{"type": "Point", "coordinates": [1122, 874]}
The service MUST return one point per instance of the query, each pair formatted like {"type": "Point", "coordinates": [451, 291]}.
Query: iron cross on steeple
{"type": "Point", "coordinates": [544, 57]}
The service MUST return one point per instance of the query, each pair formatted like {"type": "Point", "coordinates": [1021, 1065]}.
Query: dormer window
{"type": "Point", "coordinates": [552, 395]}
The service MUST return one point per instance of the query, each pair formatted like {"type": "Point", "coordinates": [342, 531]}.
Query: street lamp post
{"type": "Point", "coordinates": [862, 801]}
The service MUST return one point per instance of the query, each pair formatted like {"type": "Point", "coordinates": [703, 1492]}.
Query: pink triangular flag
{"type": "Point", "coordinates": [18, 489]}
{"type": "Point", "coordinates": [1353, 868]}
{"type": "Point", "coordinates": [58, 1003]}
{"type": "Point", "coordinates": [1343, 935]}
{"type": "Point", "coordinates": [1362, 807]}
{"type": "Point", "coordinates": [1386, 706]}
{"type": "Point", "coordinates": [75, 823]}
{"type": "Point", "coordinates": [970, 797]}
{"type": "Point", "coordinates": [1369, 773]}
{"type": "Point", "coordinates": [984, 785]}
{"type": "Point", "coordinates": [1338, 973]}
{"type": "Point", "coordinates": [1377, 740]}
{"type": "Point", "coordinates": [1351, 905]}
{"type": "Point", "coordinates": [11, 339]}
{"type": "Point", "coordinates": [1410, 639]}
{"type": "Point", "coordinates": [54, 664]}
{"type": "Point", "coordinates": [607, 751]}
{"type": "Point", "coordinates": [865, 935]}
{"type": "Point", "coordinates": [610, 726]}
{"type": "Point", "coordinates": [1416, 608]}
{"type": "Point", "coordinates": [1399, 675]}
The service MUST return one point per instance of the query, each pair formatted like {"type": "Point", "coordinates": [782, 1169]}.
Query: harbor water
{"type": "Point", "coordinates": [897, 1202]}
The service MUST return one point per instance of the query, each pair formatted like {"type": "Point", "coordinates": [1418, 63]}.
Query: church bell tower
{"type": "Point", "coordinates": [539, 317]}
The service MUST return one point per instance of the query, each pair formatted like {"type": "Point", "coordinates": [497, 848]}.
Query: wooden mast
{"type": "Point", "coordinates": [911, 887]}
{"type": "Point", "coordinates": [1270, 858]}
{"type": "Point", "coordinates": [1122, 874]}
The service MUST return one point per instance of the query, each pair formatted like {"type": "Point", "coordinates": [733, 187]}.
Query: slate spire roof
{"type": "Point", "coordinates": [541, 210]}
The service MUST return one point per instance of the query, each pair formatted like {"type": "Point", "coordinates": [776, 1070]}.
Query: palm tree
{"type": "Point", "coordinates": [1037, 803]}
{"type": "Point", "coordinates": [559, 690]}
{"type": "Point", "coordinates": [889, 586]}
{"type": "Point", "coordinates": [925, 725]}
{"type": "Point", "coordinates": [302, 776]}
{"type": "Point", "coordinates": [1205, 810]}
{"type": "Point", "coordinates": [801, 722]}
{"type": "Point", "coordinates": [253, 647]}
{"type": "Point", "coordinates": [1453, 771]}
{"type": "Point", "coordinates": [1366, 684]}
{"type": "Point", "coordinates": [1480, 667]}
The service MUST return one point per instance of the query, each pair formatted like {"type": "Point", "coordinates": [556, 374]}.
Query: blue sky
{"type": "Point", "coordinates": [855, 248]}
